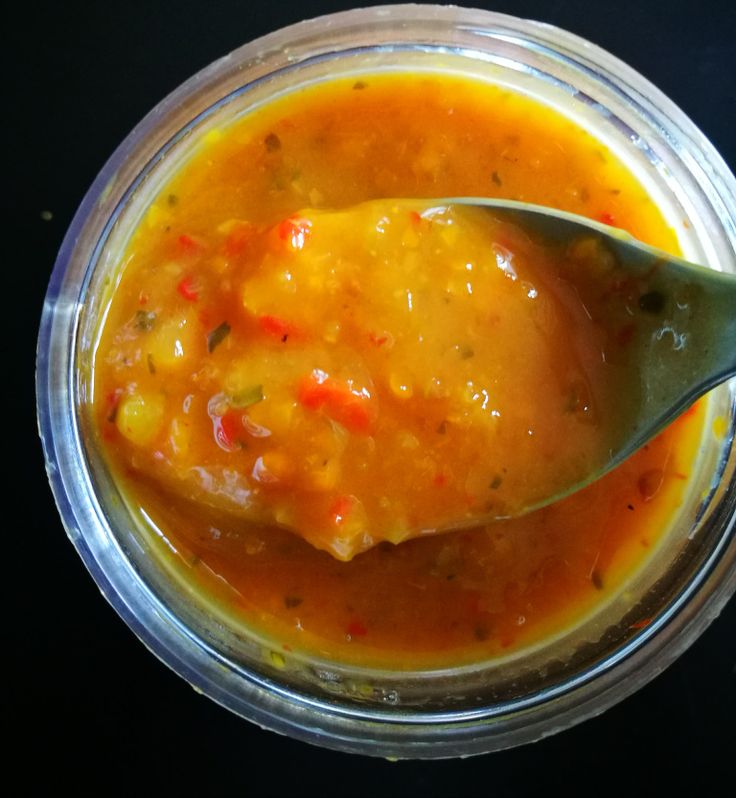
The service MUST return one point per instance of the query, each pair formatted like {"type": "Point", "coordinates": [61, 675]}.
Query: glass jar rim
{"type": "Point", "coordinates": [262, 701]}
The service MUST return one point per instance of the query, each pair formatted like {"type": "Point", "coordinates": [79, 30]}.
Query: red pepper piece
{"type": "Point", "coordinates": [295, 232]}
{"type": "Point", "coordinates": [227, 429]}
{"type": "Point", "coordinates": [239, 239]}
{"type": "Point", "coordinates": [349, 406]}
{"type": "Point", "coordinates": [341, 509]}
{"type": "Point", "coordinates": [278, 327]}
{"type": "Point", "coordinates": [607, 218]}
{"type": "Point", "coordinates": [356, 629]}
{"type": "Point", "coordinates": [189, 244]}
{"type": "Point", "coordinates": [188, 289]}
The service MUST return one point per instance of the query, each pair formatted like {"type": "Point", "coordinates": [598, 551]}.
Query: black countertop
{"type": "Point", "coordinates": [88, 706]}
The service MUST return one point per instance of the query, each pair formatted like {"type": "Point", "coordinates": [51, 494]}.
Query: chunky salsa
{"type": "Point", "coordinates": [294, 374]}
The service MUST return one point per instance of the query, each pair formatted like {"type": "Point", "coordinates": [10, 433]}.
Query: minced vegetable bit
{"type": "Point", "coordinates": [297, 380]}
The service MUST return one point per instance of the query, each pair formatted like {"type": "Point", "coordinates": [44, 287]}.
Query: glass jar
{"type": "Point", "coordinates": [461, 711]}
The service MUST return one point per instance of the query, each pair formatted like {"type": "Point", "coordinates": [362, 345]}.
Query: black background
{"type": "Point", "coordinates": [88, 707]}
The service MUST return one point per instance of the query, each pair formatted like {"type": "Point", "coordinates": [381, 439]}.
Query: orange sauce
{"type": "Point", "coordinates": [216, 379]}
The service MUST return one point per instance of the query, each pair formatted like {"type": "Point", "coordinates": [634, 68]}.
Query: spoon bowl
{"type": "Point", "coordinates": [675, 322]}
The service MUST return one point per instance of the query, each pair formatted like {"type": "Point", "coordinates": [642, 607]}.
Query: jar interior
{"type": "Point", "coordinates": [525, 676]}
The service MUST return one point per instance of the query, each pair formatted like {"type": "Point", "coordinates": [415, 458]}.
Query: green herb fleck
{"type": "Point", "coordinates": [596, 579]}
{"type": "Point", "coordinates": [359, 84]}
{"type": "Point", "coordinates": [496, 178]}
{"type": "Point", "coordinates": [246, 398]}
{"type": "Point", "coordinates": [496, 482]}
{"type": "Point", "coordinates": [172, 199]}
{"type": "Point", "coordinates": [151, 364]}
{"type": "Point", "coordinates": [442, 428]}
{"type": "Point", "coordinates": [481, 632]}
{"type": "Point", "coordinates": [272, 142]}
{"type": "Point", "coordinates": [292, 601]}
{"type": "Point", "coordinates": [465, 351]}
{"type": "Point", "coordinates": [217, 336]}
{"type": "Point", "coordinates": [144, 320]}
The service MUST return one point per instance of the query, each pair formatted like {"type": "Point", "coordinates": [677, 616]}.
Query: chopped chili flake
{"type": "Point", "coordinates": [356, 629]}
{"type": "Point", "coordinates": [295, 232]}
{"type": "Point", "coordinates": [188, 289]}
{"type": "Point", "coordinates": [415, 217]}
{"type": "Point", "coordinates": [607, 218]}
{"type": "Point", "coordinates": [378, 340]}
{"type": "Point", "coordinates": [643, 623]}
{"type": "Point", "coordinates": [278, 327]}
{"type": "Point", "coordinates": [189, 244]}
{"type": "Point", "coordinates": [349, 406]}
{"type": "Point", "coordinates": [227, 428]}
{"type": "Point", "coordinates": [240, 237]}
{"type": "Point", "coordinates": [341, 509]}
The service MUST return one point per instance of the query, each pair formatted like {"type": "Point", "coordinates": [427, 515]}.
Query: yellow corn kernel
{"type": "Point", "coordinates": [325, 475]}
{"type": "Point", "coordinates": [273, 466]}
{"type": "Point", "coordinates": [170, 343]}
{"type": "Point", "coordinates": [355, 520]}
{"type": "Point", "coordinates": [228, 226]}
{"type": "Point", "coordinates": [276, 415]}
{"type": "Point", "coordinates": [140, 417]}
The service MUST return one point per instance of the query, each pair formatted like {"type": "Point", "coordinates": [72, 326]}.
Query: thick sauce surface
{"type": "Point", "coordinates": [355, 375]}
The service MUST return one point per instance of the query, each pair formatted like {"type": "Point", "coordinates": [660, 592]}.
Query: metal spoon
{"type": "Point", "coordinates": [683, 316]}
